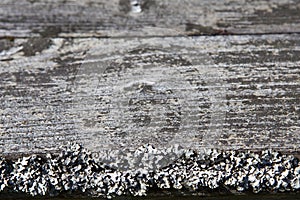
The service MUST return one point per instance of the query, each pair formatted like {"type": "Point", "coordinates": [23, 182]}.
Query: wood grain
{"type": "Point", "coordinates": [124, 18]}
{"type": "Point", "coordinates": [228, 92]}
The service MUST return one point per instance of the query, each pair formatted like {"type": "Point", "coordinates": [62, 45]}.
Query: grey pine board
{"type": "Point", "coordinates": [121, 18]}
{"type": "Point", "coordinates": [228, 92]}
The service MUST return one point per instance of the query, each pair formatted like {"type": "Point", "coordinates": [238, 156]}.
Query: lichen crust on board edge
{"type": "Point", "coordinates": [75, 170]}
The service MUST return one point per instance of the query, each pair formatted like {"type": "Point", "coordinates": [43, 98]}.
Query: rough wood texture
{"type": "Point", "coordinates": [123, 18]}
{"type": "Point", "coordinates": [228, 92]}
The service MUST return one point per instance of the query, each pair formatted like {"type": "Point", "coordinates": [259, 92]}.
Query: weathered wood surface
{"type": "Point", "coordinates": [123, 18]}
{"type": "Point", "coordinates": [233, 92]}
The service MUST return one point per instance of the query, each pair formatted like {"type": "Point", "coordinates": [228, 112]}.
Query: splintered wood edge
{"type": "Point", "coordinates": [146, 18]}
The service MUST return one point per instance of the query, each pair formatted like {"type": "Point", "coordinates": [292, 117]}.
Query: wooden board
{"type": "Point", "coordinates": [144, 18]}
{"type": "Point", "coordinates": [228, 92]}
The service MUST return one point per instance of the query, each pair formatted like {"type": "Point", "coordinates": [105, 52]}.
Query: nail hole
{"type": "Point", "coordinates": [135, 6]}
